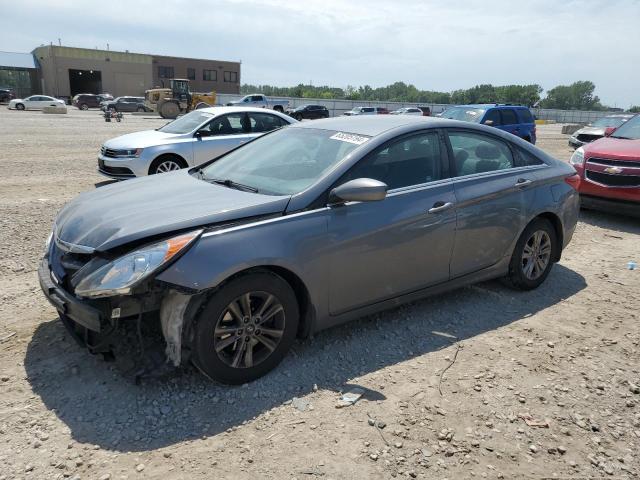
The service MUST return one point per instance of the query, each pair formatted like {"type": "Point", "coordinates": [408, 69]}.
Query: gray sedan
{"type": "Point", "coordinates": [304, 228]}
{"type": "Point", "coordinates": [190, 140]}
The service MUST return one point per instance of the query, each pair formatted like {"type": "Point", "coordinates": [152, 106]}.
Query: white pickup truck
{"type": "Point", "coordinates": [260, 101]}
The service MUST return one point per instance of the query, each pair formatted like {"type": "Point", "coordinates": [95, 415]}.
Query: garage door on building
{"type": "Point", "coordinates": [129, 84]}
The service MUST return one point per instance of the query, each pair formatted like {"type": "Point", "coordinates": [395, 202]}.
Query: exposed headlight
{"type": "Point", "coordinates": [121, 275]}
{"type": "Point", "coordinates": [578, 157]}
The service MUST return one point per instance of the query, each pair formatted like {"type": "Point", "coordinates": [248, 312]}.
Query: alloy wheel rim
{"type": "Point", "coordinates": [168, 166]}
{"type": "Point", "coordinates": [249, 329]}
{"type": "Point", "coordinates": [536, 255]}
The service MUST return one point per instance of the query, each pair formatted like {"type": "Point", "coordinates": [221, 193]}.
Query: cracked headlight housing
{"type": "Point", "coordinates": [122, 274]}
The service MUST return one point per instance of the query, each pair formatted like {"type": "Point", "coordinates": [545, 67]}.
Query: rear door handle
{"type": "Point", "coordinates": [523, 182]}
{"type": "Point", "coordinates": [440, 207]}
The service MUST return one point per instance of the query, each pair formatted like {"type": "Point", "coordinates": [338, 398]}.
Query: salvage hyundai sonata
{"type": "Point", "coordinates": [304, 228]}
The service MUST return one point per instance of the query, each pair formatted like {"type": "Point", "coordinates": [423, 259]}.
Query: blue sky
{"type": "Point", "coordinates": [435, 45]}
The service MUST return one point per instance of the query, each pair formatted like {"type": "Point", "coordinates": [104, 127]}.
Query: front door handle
{"type": "Point", "coordinates": [440, 207]}
{"type": "Point", "coordinates": [523, 182]}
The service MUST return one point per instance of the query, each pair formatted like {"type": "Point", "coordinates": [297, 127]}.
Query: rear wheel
{"type": "Point", "coordinates": [246, 328]}
{"type": "Point", "coordinates": [140, 109]}
{"type": "Point", "coordinates": [165, 164]}
{"type": "Point", "coordinates": [19, 106]}
{"type": "Point", "coordinates": [532, 258]}
{"type": "Point", "coordinates": [278, 108]}
{"type": "Point", "coordinates": [84, 106]}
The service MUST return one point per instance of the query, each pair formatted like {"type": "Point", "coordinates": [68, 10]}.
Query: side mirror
{"type": "Point", "coordinates": [488, 122]}
{"type": "Point", "coordinates": [608, 131]}
{"type": "Point", "coordinates": [359, 190]}
{"type": "Point", "coordinates": [202, 133]}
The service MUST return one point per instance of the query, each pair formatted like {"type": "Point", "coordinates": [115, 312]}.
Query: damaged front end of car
{"type": "Point", "coordinates": [99, 294]}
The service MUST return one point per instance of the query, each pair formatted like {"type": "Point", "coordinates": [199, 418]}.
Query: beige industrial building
{"type": "Point", "coordinates": [67, 71]}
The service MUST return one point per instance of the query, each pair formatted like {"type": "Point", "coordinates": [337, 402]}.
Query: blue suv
{"type": "Point", "coordinates": [515, 119]}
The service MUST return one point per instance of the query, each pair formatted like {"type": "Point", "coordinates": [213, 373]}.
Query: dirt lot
{"type": "Point", "coordinates": [538, 384]}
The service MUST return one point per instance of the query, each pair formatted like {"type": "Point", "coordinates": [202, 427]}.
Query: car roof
{"type": "Point", "coordinates": [489, 105]}
{"type": "Point", "coordinates": [373, 125]}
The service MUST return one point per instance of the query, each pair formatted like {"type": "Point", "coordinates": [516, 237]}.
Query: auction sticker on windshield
{"type": "Point", "coordinates": [349, 137]}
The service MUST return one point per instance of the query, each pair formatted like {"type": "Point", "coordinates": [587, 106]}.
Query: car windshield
{"type": "Point", "coordinates": [629, 130]}
{"type": "Point", "coordinates": [284, 162]}
{"type": "Point", "coordinates": [609, 122]}
{"type": "Point", "coordinates": [187, 123]}
{"type": "Point", "coordinates": [467, 114]}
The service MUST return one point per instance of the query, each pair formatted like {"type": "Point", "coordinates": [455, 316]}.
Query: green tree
{"type": "Point", "coordinates": [635, 109]}
{"type": "Point", "coordinates": [577, 96]}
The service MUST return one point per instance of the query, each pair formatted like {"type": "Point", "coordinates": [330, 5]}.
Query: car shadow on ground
{"type": "Point", "coordinates": [611, 221]}
{"type": "Point", "coordinates": [100, 407]}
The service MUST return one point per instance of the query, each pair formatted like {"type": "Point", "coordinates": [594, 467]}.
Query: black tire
{"type": "Point", "coordinates": [84, 106]}
{"type": "Point", "coordinates": [298, 117]}
{"type": "Point", "coordinates": [216, 315]}
{"type": "Point", "coordinates": [520, 275]}
{"type": "Point", "coordinates": [278, 108]}
{"type": "Point", "coordinates": [141, 109]}
{"type": "Point", "coordinates": [19, 106]}
{"type": "Point", "coordinates": [159, 165]}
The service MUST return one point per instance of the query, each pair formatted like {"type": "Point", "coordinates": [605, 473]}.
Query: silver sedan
{"type": "Point", "coordinates": [188, 141]}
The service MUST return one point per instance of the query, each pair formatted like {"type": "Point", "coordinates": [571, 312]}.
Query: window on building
{"type": "Point", "coordinates": [165, 72]}
{"type": "Point", "coordinates": [191, 73]}
{"type": "Point", "coordinates": [231, 77]}
{"type": "Point", "coordinates": [210, 75]}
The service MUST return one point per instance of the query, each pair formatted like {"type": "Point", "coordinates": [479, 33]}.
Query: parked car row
{"type": "Point", "coordinates": [268, 240]}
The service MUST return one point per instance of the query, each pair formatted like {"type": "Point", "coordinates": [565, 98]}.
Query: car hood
{"type": "Point", "coordinates": [146, 138]}
{"type": "Point", "coordinates": [609, 147]}
{"type": "Point", "coordinates": [121, 213]}
{"type": "Point", "coordinates": [590, 131]}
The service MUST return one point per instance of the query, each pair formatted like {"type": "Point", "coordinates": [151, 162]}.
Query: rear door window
{"type": "Point", "coordinates": [478, 153]}
{"type": "Point", "coordinates": [525, 115]}
{"type": "Point", "coordinates": [509, 116]}
{"type": "Point", "coordinates": [264, 122]}
{"type": "Point", "coordinates": [492, 118]}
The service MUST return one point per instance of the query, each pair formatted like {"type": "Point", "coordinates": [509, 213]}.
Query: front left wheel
{"type": "Point", "coordinates": [246, 328]}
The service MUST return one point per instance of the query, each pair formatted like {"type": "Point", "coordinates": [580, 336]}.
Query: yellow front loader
{"type": "Point", "coordinates": [170, 102]}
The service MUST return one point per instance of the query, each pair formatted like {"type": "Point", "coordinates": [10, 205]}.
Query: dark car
{"type": "Point", "coordinates": [515, 119]}
{"type": "Point", "coordinates": [85, 101]}
{"type": "Point", "coordinates": [304, 228]}
{"type": "Point", "coordinates": [309, 112]}
{"type": "Point", "coordinates": [6, 95]}
{"type": "Point", "coordinates": [125, 104]}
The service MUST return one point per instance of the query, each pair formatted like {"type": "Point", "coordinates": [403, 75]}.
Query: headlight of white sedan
{"type": "Point", "coordinates": [578, 157]}
{"type": "Point", "coordinates": [121, 275]}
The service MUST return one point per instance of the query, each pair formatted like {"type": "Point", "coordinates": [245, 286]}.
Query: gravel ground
{"type": "Point", "coordinates": [481, 382]}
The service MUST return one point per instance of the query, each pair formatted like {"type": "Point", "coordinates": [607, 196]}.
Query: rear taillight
{"type": "Point", "coordinates": [573, 180]}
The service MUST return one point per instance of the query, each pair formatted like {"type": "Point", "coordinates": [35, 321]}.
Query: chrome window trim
{"type": "Point", "coordinates": [496, 173]}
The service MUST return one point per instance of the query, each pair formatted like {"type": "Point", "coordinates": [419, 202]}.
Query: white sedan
{"type": "Point", "coordinates": [407, 111]}
{"type": "Point", "coordinates": [190, 140]}
{"type": "Point", "coordinates": [35, 102]}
